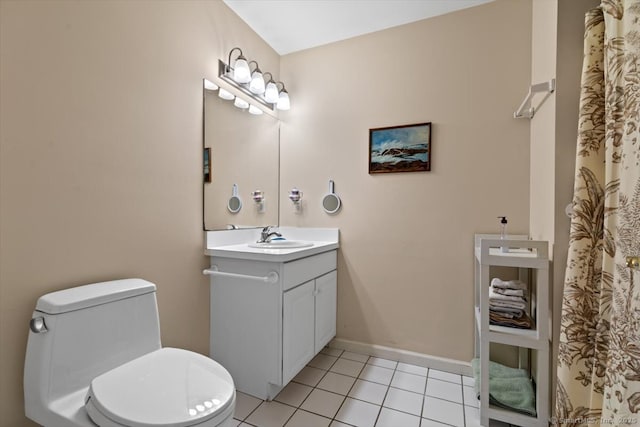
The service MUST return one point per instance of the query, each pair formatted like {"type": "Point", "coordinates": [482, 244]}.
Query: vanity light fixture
{"type": "Point", "coordinates": [253, 83]}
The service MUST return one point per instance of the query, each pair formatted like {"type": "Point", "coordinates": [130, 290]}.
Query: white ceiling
{"type": "Point", "coordinates": [292, 25]}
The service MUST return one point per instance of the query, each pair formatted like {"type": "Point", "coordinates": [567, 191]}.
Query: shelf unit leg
{"type": "Point", "coordinates": [484, 347]}
{"type": "Point", "coordinates": [523, 358]}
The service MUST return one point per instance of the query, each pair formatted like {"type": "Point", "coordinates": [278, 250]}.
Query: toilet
{"type": "Point", "coordinates": [94, 357]}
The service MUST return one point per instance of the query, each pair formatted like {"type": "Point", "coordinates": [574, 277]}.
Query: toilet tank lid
{"type": "Point", "coordinates": [92, 295]}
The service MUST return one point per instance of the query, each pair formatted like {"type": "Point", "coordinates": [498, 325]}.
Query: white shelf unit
{"type": "Point", "coordinates": [531, 259]}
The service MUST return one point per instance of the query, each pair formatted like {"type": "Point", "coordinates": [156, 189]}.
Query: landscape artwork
{"type": "Point", "coordinates": [400, 148]}
{"type": "Point", "coordinates": [207, 164]}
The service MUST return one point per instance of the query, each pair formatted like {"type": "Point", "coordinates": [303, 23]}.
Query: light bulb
{"type": "Point", "coordinates": [257, 83]}
{"type": "Point", "coordinates": [255, 110]}
{"type": "Point", "coordinates": [271, 93]}
{"type": "Point", "coordinates": [209, 85]}
{"type": "Point", "coordinates": [225, 94]}
{"type": "Point", "coordinates": [240, 103]}
{"type": "Point", "coordinates": [241, 72]}
{"type": "Point", "coordinates": [283, 101]}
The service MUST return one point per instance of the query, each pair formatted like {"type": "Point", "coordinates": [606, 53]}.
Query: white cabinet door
{"type": "Point", "coordinates": [297, 329]}
{"type": "Point", "coordinates": [326, 289]}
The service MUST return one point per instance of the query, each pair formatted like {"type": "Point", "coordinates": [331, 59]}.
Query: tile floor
{"type": "Point", "coordinates": [341, 389]}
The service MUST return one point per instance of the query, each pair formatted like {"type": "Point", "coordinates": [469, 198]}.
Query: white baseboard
{"type": "Point", "coordinates": [405, 356]}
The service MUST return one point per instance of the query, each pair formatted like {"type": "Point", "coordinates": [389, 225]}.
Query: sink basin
{"type": "Point", "coordinates": [281, 244]}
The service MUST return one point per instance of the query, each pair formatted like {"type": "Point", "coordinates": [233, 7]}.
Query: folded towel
{"type": "Point", "coordinates": [507, 319]}
{"type": "Point", "coordinates": [508, 387]}
{"type": "Point", "coordinates": [515, 314]}
{"type": "Point", "coordinates": [508, 284]}
{"type": "Point", "coordinates": [495, 296]}
{"type": "Point", "coordinates": [493, 304]}
{"type": "Point", "coordinates": [510, 292]}
{"type": "Point", "coordinates": [508, 311]}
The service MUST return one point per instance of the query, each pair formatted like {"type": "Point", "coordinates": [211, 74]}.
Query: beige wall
{"type": "Point", "coordinates": [543, 68]}
{"type": "Point", "coordinates": [100, 157]}
{"type": "Point", "coordinates": [558, 28]}
{"type": "Point", "coordinates": [406, 258]}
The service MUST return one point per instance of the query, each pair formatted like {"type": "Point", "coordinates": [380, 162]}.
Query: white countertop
{"type": "Point", "coordinates": [235, 244]}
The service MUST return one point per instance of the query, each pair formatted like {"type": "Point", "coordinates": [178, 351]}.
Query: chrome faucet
{"type": "Point", "coordinates": [267, 234]}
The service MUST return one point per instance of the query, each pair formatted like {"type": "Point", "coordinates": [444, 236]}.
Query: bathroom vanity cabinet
{"type": "Point", "coordinates": [270, 317]}
{"type": "Point", "coordinates": [529, 260]}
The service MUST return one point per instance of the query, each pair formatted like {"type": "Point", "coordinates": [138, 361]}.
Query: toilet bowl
{"type": "Point", "coordinates": [166, 387]}
{"type": "Point", "coordinates": [94, 358]}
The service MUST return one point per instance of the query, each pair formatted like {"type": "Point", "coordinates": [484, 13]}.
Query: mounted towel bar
{"type": "Point", "coordinates": [523, 112]}
{"type": "Point", "coordinates": [272, 277]}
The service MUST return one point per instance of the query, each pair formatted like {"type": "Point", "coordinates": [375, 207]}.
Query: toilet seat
{"type": "Point", "coordinates": [167, 387]}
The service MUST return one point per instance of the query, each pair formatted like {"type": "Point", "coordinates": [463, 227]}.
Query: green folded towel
{"type": "Point", "coordinates": [509, 388]}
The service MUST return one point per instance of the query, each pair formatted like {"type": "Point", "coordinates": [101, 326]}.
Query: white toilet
{"type": "Point", "coordinates": [94, 358]}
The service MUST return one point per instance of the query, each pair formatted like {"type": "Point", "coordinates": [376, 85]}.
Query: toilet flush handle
{"type": "Point", "coordinates": [37, 325]}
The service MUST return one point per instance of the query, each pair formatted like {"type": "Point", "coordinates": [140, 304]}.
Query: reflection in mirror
{"type": "Point", "coordinates": [235, 204]}
{"type": "Point", "coordinates": [244, 151]}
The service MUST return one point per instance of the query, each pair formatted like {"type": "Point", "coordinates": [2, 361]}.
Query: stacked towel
{"type": "Point", "coordinates": [507, 304]}
{"type": "Point", "coordinates": [509, 388]}
{"type": "Point", "coordinates": [508, 284]}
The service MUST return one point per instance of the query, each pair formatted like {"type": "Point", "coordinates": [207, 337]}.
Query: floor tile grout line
{"type": "Point", "coordinates": [304, 410]}
{"type": "Point", "coordinates": [424, 396]}
{"type": "Point", "coordinates": [251, 412]}
{"type": "Point", "coordinates": [315, 387]}
{"type": "Point", "coordinates": [464, 413]}
{"type": "Point", "coordinates": [447, 381]}
{"type": "Point", "coordinates": [385, 395]}
{"type": "Point", "coordinates": [290, 416]}
{"type": "Point", "coordinates": [347, 395]}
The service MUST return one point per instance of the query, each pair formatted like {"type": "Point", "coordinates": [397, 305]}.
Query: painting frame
{"type": "Point", "coordinates": [402, 148]}
{"type": "Point", "coordinates": [206, 164]}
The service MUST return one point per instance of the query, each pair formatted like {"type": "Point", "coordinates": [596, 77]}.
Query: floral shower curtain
{"type": "Point", "coordinates": [599, 356]}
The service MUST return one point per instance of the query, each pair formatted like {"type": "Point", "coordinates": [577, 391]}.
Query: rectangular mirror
{"type": "Point", "coordinates": [241, 157]}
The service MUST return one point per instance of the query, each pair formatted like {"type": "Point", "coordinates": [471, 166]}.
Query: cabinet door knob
{"type": "Point", "coordinates": [316, 292]}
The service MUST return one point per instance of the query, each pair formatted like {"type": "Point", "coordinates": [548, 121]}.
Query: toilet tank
{"type": "Point", "coordinates": [90, 329]}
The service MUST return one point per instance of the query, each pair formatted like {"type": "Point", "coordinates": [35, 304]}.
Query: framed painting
{"type": "Point", "coordinates": [207, 164]}
{"type": "Point", "coordinates": [405, 148]}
